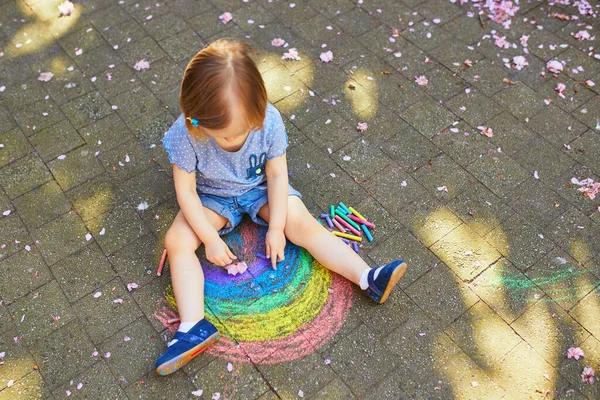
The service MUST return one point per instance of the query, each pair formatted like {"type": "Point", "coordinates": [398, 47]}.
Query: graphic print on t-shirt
{"type": "Point", "coordinates": [257, 165]}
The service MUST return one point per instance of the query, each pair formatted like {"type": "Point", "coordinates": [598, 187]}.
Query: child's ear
{"type": "Point", "coordinates": [252, 160]}
{"type": "Point", "coordinates": [263, 159]}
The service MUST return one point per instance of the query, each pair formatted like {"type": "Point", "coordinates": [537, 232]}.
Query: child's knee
{"type": "Point", "coordinates": [177, 239]}
{"type": "Point", "coordinates": [299, 227]}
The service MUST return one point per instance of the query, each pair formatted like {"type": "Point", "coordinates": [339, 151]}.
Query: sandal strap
{"type": "Point", "coordinates": [190, 337]}
{"type": "Point", "coordinates": [371, 280]}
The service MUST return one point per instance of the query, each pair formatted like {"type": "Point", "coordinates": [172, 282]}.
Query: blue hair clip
{"type": "Point", "coordinates": [194, 121]}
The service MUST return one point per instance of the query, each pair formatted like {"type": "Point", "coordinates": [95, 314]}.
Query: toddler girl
{"type": "Point", "coordinates": [228, 155]}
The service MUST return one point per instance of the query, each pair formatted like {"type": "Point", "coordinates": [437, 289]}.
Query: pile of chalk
{"type": "Point", "coordinates": [348, 224]}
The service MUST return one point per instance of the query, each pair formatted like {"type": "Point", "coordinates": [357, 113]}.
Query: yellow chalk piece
{"type": "Point", "coordinates": [353, 211]}
{"type": "Point", "coordinates": [348, 236]}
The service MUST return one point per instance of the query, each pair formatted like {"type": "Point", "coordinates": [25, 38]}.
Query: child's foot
{"type": "Point", "coordinates": [188, 345]}
{"type": "Point", "coordinates": [383, 279]}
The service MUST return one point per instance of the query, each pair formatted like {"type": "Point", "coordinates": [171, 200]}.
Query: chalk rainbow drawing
{"type": "Point", "coordinates": [268, 316]}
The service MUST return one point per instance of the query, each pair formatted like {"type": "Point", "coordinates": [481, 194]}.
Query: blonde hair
{"type": "Point", "coordinates": [221, 69]}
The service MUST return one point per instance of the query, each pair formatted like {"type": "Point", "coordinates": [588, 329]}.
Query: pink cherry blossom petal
{"type": "Point", "coordinates": [326, 57]}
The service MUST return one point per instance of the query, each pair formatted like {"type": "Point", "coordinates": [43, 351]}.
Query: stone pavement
{"type": "Point", "coordinates": [502, 247]}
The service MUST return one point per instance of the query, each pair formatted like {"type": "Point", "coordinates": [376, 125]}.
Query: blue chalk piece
{"type": "Point", "coordinates": [323, 215]}
{"type": "Point", "coordinates": [345, 241]}
{"type": "Point", "coordinates": [341, 210]}
{"type": "Point", "coordinates": [355, 246]}
{"type": "Point", "coordinates": [366, 231]}
{"type": "Point", "coordinates": [261, 256]}
{"type": "Point", "coordinates": [328, 221]}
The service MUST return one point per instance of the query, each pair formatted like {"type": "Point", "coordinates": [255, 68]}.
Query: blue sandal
{"type": "Point", "coordinates": [379, 289]}
{"type": "Point", "coordinates": [188, 346]}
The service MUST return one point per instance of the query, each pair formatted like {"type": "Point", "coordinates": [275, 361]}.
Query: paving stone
{"type": "Point", "coordinates": [94, 197]}
{"type": "Point", "coordinates": [131, 360]}
{"type": "Point", "coordinates": [124, 31]}
{"type": "Point", "coordinates": [25, 271]}
{"type": "Point", "coordinates": [520, 100]}
{"type": "Point", "coordinates": [308, 374]}
{"type": "Point", "coordinates": [336, 390]}
{"type": "Point", "coordinates": [510, 134]}
{"type": "Point", "coordinates": [409, 149]}
{"type": "Point", "coordinates": [549, 330]}
{"type": "Point", "coordinates": [78, 166]}
{"type": "Point", "coordinates": [411, 61]}
{"type": "Point", "coordinates": [562, 278]}
{"type": "Point", "coordinates": [69, 86]}
{"type": "Point", "coordinates": [357, 357]}
{"type": "Point", "coordinates": [506, 290]}
{"type": "Point", "coordinates": [340, 187]}
{"type": "Point", "coordinates": [38, 117]}
{"type": "Point", "coordinates": [60, 237]}
{"type": "Point", "coordinates": [16, 358]}
{"type": "Point", "coordinates": [86, 109]}
{"type": "Point", "coordinates": [377, 41]}
{"type": "Point", "coordinates": [587, 149]}
{"type": "Point", "coordinates": [106, 133]}
{"type": "Point", "coordinates": [443, 178]}
{"type": "Point", "coordinates": [56, 365]}
{"type": "Point", "coordinates": [302, 108]}
{"type": "Point", "coordinates": [428, 117]}
{"type": "Point", "coordinates": [465, 252]}
{"type": "Point", "coordinates": [441, 295]}
{"type": "Point", "coordinates": [394, 12]}
{"type": "Point", "coordinates": [480, 209]}
{"type": "Point", "coordinates": [454, 54]}
{"type": "Point", "coordinates": [143, 49]}
{"type": "Point", "coordinates": [563, 187]}
{"type": "Point", "coordinates": [575, 233]}
{"type": "Point", "coordinates": [443, 84]}
{"type": "Point", "coordinates": [428, 219]}
{"type": "Point", "coordinates": [151, 186]}
{"type": "Point", "coordinates": [122, 226]}
{"type": "Point", "coordinates": [56, 205]}
{"type": "Point", "coordinates": [15, 146]}
{"type": "Point", "coordinates": [575, 94]}
{"type": "Point", "coordinates": [23, 175]}
{"type": "Point", "coordinates": [23, 95]}
{"type": "Point", "coordinates": [97, 382]}
{"type": "Point", "coordinates": [184, 46]}
{"type": "Point", "coordinates": [162, 74]}
{"type": "Point", "coordinates": [153, 386]}
{"type": "Point", "coordinates": [473, 107]}
{"type": "Point", "coordinates": [133, 262]}
{"type": "Point", "coordinates": [8, 121]}
{"type": "Point", "coordinates": [498, 172]}
{"type": "Point", "coordinates": [112, 80]}
{"type": "Point", "coordinates": [206, 24]}
{"type": "Point", "coordinates": [30, 387]}
{"type": "Point", "coordinates": [588, 113]}
{"type": "Point", "coordinates": [365, 160]}
{"type": "Point", "coordinates": [150, 298]}
{"type": "Point", "coordinates": [486, 341]}
{"type": "Point", "coordinates": [56, 140]}
{"type": "Point", "coordinates": [535, 202]}
{"type": "Point", "coordinates": [522, 243]}
{"type": "Point", "coordinates": [41, 312]}
{"type": "Point", "coordinates": [356, 22]}
{"type": "Point", "coordinates": [302, 172]}
{"type": "Point", "coordinates": [571, 369]}
{"type": "Point", "coordinates": [13, 235]}
{"type": "Point", "coordinates": [486, 75]}
{"type": "Point", "coordinates": [103, 316]}
{"type": "Point", "coordinates": [116, 164]}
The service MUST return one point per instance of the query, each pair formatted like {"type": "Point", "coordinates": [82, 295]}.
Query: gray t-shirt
{"type": "Point", "coordinates": [223, 173]}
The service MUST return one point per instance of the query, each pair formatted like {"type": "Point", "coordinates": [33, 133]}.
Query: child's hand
{"type": "Point", "coordinates": [275, 243]}
{"type": "Point", "coordinates": [218, 253]}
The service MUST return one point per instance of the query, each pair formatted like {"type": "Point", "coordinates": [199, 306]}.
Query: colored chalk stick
{"type": "Point", "coordinates": [323, 215]}
{"type": "Point", "coordinates": [340, 209]}
{"type": "Point", "coordinates": [348, 236]}
{"type": "Point", "coordinates": [347, 226]}
{"type": "Point", "coordinates": [361, 221]}
{"type": "Point", "coordinates": [353, 211]}
{"type": "Point", "coordinates": [346, 241]}
{"type": "Point", "coordinates": [162, 263]}
{"type": "Point", "coordinates": [332, 211]}
{"type": "Point", "coordinates": [261, 256]}
{"type": "Point", "coordinates": [355, 246]}
{"type": "Point", "coordinates": [339, 226]}
{"type": "Point", "coordinates": [348, 220]}
{"type": "Point", "coordinates": [345, 207]}
{"type": "Point", "coordinates": [367, 233]}
{"type": "Point", "coordinates": [329, 221]}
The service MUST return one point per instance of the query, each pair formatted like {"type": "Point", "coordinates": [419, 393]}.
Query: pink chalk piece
{"type": "Point", "coordinates": [236, 268]}
{"type": "Point", "coordinates": [172, 321]}
{"type": "Point", "coordinates": [347, 225]}
{"type": "Point", "coordinates": [162, 263]}
{"type": "Point", "coordinates": [339, 226]}
{"type": "Point", "coordinates": [361, 221]}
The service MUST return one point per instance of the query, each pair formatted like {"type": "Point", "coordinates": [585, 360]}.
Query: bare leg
{"type": "Point", "coordinates": [188, 279]}
{"type": "Point", "coordinates": [303, 230]}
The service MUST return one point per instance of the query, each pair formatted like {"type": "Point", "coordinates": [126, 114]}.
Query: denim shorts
{"type": "Point", "coordinates": [234, 208]}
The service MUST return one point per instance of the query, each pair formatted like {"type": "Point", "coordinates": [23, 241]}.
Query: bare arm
{"type": "Point", "coordinates": [277, 191]}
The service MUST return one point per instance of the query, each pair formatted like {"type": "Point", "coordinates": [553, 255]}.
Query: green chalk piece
{"type": "Point", "coordinates": [345, 208]}
{"type": "Point", "coordinates": [332, 211]}
{"type": "Point", "coordinates": [348, 220]}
